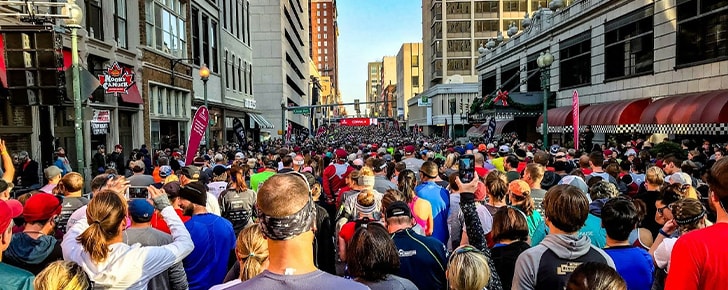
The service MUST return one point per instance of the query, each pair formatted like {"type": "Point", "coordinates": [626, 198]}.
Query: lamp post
{"type": "Point", "coordinates": [73, 22]}
{"type": "Point", "coordinates": [204, 76]}
{"type": "Point", "coordinates": [451, 100]}
{"type": "Point", "coordinates": [544, 62]}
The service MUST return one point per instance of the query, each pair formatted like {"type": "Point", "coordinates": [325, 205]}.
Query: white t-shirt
{"type": "Point", "coordinates": [663, 253]}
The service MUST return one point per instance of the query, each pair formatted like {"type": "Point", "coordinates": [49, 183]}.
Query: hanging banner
{"type": "Point", "coordinates": [358, 122]}
{"type": "Point", "coordinates": [575, 116]}
{"type": "Point", "coordinates": [289, 132]}
{"type": "Point", "coordinates": [239, 131]}
{"type": "Point", "coordinates": [491, 130]}
{"type": "Point", "coordinates": [197, 131]}
{"type": "Point", "coordinates": [116, 80]}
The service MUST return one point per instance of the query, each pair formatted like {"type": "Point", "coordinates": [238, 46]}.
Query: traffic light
{"type": "Point", "coordinates": [356, 105]}
{"type": "Point", "coordinates": [34, 61]}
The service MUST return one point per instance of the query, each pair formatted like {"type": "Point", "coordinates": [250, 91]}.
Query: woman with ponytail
{"type": "Point", "coordinates": [421, 209]}
{"type": "Point", "coordinates": [251, 250]}
{"type": "Point", "coordinates": [520, 195]}
{"type": "Point", "coordinates": [95, 242]}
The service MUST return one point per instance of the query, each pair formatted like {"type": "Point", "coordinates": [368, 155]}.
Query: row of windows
{"type": "Point", "coordinates": [238, 74]}
{"type": "Point", "coordinates": [204, 40]}
{"type": "Point", "coordinates": [165, 26]}
{"type": "Point", "coordinates": [236, 18]}
{"type": "Point", "coordinates": [169, 102]}
{"type": "Point", "coordinates": [95, 23]}
{"type": "Point", "coordinates": [702, 36]}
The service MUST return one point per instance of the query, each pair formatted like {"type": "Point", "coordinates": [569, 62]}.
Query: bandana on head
{"type": "Point", "coordinates": [288, 227]}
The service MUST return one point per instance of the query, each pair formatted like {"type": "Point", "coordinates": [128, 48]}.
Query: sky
{"type": "Point", "coordinates": [368, 31]}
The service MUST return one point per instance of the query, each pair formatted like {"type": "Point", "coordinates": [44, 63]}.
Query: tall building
{"type": "Point", "coordinates": [324, 38]}
{"type": "Point", "coordinates": [639, 67]}
{"type": "Point", "coordinates": [374, 78]}
{"type": "Point", "coordinates": [453, 31]}
{"type": "Point", "coordinates": [280, 50]}
{"type": "Point", "coordinates": [409, 76]}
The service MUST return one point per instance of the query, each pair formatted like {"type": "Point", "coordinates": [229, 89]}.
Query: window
{"type": "Point", "coordinates": [318, 5]}
{"type": "Point", "coordinates": [326, 28]}
{"type": "Point", "coordinates": [486, 7]}
{"type": "Point", "coordinates": [486, 25]}
{"type": "Point", "coordinates": [318, 13]}
{"type": "Point", "coordinates": [120, 23]}
{"type": "Point", "coordinates": [415, 81]}
{"type": "Point", "coordinates": [169, 103]}
{"type": "Point", "coordinates": [326, 36]}
{"type": "Point", "coordinates": [325, 20]}
{"type": "Point", "coordinates": [458, 66]}
{"type": "Point", "coordinates": [238, 12]}
{"type": "Point", "coordinates": [177, 111]}
{"type": "Point", "coordinates": [510, 77]}
{"type": "Point", "coordinates": [232, 65]}
{"type": "Point", "coordinates": [488, 84]}
{"type": "Point", "coordinates": [224, 14]}
{"type": "Point", "coordinates": [195, 18]}
{"type": "Point", "coordinates": [319, 43]}
{"type": "Point", "coordinates": [227, 71]}
{"type": "Point", "coordinates": [319, 51]}
{"type": "Point", "coordinates": [326, 51]}
{"type": "Point", "coordinates": [515, 6]}
{"type": "Point", "coordinates": [213, 46]}
{"type": "Point", "coordinates": [318, 20]}
{"type": "Point", "coordinates": [324, 5]}
{"type": "Point", "coordinates": [94, 19]}
{"type": "Point", "coordinates": [319, 58]}
{"type": "Point", "coordinates": [250, 77]}
{"type": "Point", "coordinates": [533, 72]}
{"type": "Point", "coordinates": [247, 24]}
{"type": "Point", "coordinates": [326, 43]}
{"type": "Point", "coordinates": [457, 8]}
{"type": "Point", "coordinates": [702, 33]}
{"type": "Point", "coordinates": [243, 27]}
{"type": "Point", "coordinates": [326, 58]}
{"type": "Point", "coordinates": [325, 13]}
{"type": "Point", "coordinates": [245, 77]}
{"type": "Point", "coordinates": [205, 40]}
{"type": "Point", "coordinates": [160, 107]}
{"type": "Point", "coordinates": [629, 44]}
{"type": "Point", "coordinates": [575, 61]}
{"type": "Point", "coordinates": [166, 26]}
{"type": "Point", "coordinates": [415, 60]}
{"type": "Point", "coordinates": [240, 74]}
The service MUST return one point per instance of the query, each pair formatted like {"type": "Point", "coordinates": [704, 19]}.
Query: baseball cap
{"type": "Point", "coordinates": [239, 155]}
{"type": "Point", "coordinates": [192, 172]}
{"type": "Point", "coordinates": [554, 149]}
{"type": "Point", "coordinates": [9, 209]}
{"type": "Point", "coordinates": [518, 187]}
{"type": "Point", "coordinates": [351, 157]}
{"type": "Point", "coordinates": [140, 210]}
{"type": "Point", "coordinates": [194, 192]}
{"type": "Point", "coordinates": [680, 178]}
{"type": "Point", "coordinates": [165, 171]}
{"type": "Point", "coordinates": [492, 151]}
{"type": "Point", "coordinates": [358, 162]}
{"type": "Point", "coordinates": [409, 149]}
{"type": "Point", "coordinates": [41, 206]}
{"type": "Point", "coordinates": [397, 209]}
{"type": "Point", "coordinates": [340, 153]}
{"type": "Point", "coordinates": [172, 189]}
{"type": "Point", "coordinates": [219, 170]}
{"type": "Point", "coordinates": [503, 149]}
{"type": "Point", "coordinates": [52, 171]}
{"type": "Point", "coordinates": [482, 148]}
{"type": "Point", "coordinates": [219, 157]}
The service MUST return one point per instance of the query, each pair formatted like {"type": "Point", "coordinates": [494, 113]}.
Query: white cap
{"type": "Point", "coordinates": [504, 149]}
{"type": "Point", "coordinates": [239, 155]}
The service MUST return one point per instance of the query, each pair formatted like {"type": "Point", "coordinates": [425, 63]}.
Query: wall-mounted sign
{"type": "Point", "coordinates": [101, 116]}
{"type": "Point", "coordinates": [117, 80]}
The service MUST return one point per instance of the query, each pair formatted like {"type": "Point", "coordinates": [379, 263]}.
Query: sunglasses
{"type": "Point", "coordinates": [661, 209]}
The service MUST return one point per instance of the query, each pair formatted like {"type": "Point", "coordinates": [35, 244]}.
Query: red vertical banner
{"type": "Point", "coordinates": [575, 116]}
{"type": "Point", "coordinates": [288, 132]}
{"type": "Point", "coordinates": [197, 130]}
{"type": "Point", "coordinates": [446, 131]}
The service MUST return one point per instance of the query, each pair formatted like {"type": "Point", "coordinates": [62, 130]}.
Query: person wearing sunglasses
{"type": "Point", "coordinates": [668, 195]}
{"type": "Point", "coordinates": [467, 269]}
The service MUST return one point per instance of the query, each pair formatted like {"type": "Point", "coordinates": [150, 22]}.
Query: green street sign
{"type": "Point", "coordinates": [299, 111]}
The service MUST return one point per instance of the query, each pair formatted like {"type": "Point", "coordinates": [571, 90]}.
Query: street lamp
{"type": "Point", "coordinates": [73, 22]}
{"type": "Point", "coordinates": [451, 100]}
{"type": "Point", "coordinates": [204, 76]}
{"type": "Point", "coordinates": [544, 62]}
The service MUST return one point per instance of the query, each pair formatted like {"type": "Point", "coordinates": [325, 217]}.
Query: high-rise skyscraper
{"type": "Point", "coordinates": [409, 76]}
{"type": "Point", "coordinates": [453, 31]}
{"type": "Point", "coordinates": [324, 36]}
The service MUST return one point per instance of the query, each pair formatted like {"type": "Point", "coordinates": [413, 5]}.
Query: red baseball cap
{"type": "Point", "coordinates": [9, 209]}
{"type": "Point", "coordinates": [341, 153]}
{"type": "Point", "coordinates": [409, 149]}
{"type": "Point", "coordinates": [41, 206]}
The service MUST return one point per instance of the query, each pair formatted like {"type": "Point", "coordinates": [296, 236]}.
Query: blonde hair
{"type": "Point", "coordinates": [365, 198]}
{"type": "Point", "coordinates": [252, 250]}
{"type": "Point", "coordinates": [452, 161]}
{"type": "Point", "coordinates": [655, 176]}
{"type": "Point", "coordinates": [105, 213]}
{"type": "Point", "coordinates": [468, 270]}
{"type": "Point", "coordinates": [61, 275]}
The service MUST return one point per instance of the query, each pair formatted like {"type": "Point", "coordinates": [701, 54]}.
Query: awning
{"type": "Point", "coordinates": [506, 126]}
{"type": "Point", "coordinates": [262, 122]}
{"type": "Point", "coordinates": [614, 117]}
{"type": "Point", "coordinates": [132, 96]}
{"type": "Point", "coordinates": [699, 113]}
{"type": "Point", "coordinates": [561, 119]}
{"type": "Point", "coordinates": [477, 131]}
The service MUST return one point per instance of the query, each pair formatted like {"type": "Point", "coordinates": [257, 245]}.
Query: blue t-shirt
{"type": "Point", "coordinates": [422, 259]}
{"type": "Point", "coordinates": [634, 265]}
{"type": "Point", "coordinates": [440, 201]}
{"type": "Point", "coordinates": [214, 241]}
{"type": "Point", "coordinates": [592, 228]}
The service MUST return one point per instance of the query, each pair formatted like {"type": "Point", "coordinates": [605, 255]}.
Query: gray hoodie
{"type": "Point", "coordinates": [549, 264]}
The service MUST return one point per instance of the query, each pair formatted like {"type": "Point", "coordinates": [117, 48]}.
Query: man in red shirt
{"type": "Point", "coordinates": [479, 162]}
{"type": "Point", "coordinates": [700, 258]}
{"type": "Point", "coordinates": [334, 175]}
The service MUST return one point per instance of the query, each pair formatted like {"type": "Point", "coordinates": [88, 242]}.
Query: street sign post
{"type": "Point", "coordinates": [300, 111]}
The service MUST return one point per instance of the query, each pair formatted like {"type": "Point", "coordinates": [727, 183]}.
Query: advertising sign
{"type": "Point", "coordinates": [358, 122]}
{"type": "Point", "coordinates": [575, 116]}
{"type": "Point", "coordinates": [116, 80]}
{"type": "Point", "coordinates": [197, 130]}
{"type": "Point", "coordinates": [239, 131]}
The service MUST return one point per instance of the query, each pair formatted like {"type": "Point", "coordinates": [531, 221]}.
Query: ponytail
{"type": "Point", "coordinates": [252, 250]}
{"type": "Point", "coordinates": [526, 202]}
{"type": "Point", "coordinates": [105, 213]}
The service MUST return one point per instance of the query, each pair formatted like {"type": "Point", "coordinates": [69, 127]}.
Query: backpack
{"type": "Point", "coordinates": [237, 207]}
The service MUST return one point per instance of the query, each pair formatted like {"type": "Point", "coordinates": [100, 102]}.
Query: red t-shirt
{"type": "Point", "coordinates": [347, 231]}
{"type": "Point", "coordinates": [159, 223]}
{"type": "Point", "coordinates": [481, 171]}
{"type": "Point", "coordinates": [699, 260]}
{"type": "Point", "coordinates": [586, 171]}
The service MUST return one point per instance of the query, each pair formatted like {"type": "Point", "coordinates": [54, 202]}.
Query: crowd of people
{"type": "Point", "coordinates": [368, 208]}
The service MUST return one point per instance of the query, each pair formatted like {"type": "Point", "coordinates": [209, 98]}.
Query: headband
{"type": "Point", "coordinates": [288, 227]}
{"type": "Point", "coordinates": [692, 219]}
